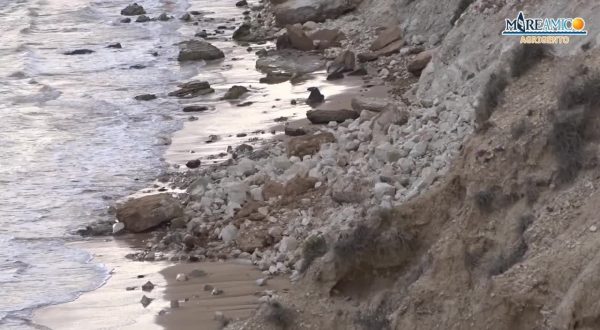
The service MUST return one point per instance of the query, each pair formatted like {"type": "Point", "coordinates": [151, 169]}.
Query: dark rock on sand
{"type": "Point", "coordinates": [195, 108]}
{"type": "Point", "coordinates": [315, 96]}
{"type": "Point", "coordinates": [133, 10]}
{"type": "Point", "coordinates": [343, 63]}
{"type": "Point", "coordinates": [148, 286]}
{"type": "Point", "coordinates": [194, 163]}
{"type": "Point", "coordinates": [145, 301]}
{"type": "Point", "coordinates": [126, 20]}
{"type": "Point", "coordinates": [145, 97]}
{"type": "Point", "coordinates": [164, 17]}
{"type": "Point", "coordinates": [192, 89]}
{"type": "Point", "coordinates": [141, 214]}
{"type": "Point", "coordinates": [244, 149]}
{"type": "Point", "coordinates": [197, 50]}
{"type": "Point", "coordinates": [142, 19]}
{"type": "Point", "coordinates": [235, 92]}
{"type": "Point", "coordinates": [116, 45]}
{"type": "Point", "coordinates": [186, 17]}
{"type": "Point", "coordinates": [335, 75]}
{"type": "Point", "coordinates": [280, 119]}
{"type": "Point", "coordinates": [212, 138]}
{"type": "Point", "coordinates": [241, 3]}
{"type": "Point", "coordinates": [79, 52]}
{"type": "Point", "coordinates": [196, 12]}
{"type": "Point", "coordinates": [243, 33]}
{"type": "Point", "coordinates": [201, 34]}
{"type": "Point", "coordinates": [326, 116]}
{"type": "Point", "coordinates": [290, 131]}
{"type": "Point", "coordinates": [137, 66]}
{"type": "Point", "coordinates": [245, 104]}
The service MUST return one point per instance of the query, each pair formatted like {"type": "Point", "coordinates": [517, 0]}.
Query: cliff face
{"type": "Point", "coordinates": [509, 238]}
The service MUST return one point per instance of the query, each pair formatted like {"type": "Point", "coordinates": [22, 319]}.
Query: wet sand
{"type": "Point", "coordinates": [113, 307]}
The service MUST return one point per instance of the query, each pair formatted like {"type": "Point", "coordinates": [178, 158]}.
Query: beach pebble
{"type": "Point", "coordinates": [593, 228]}
{"type": "Point", "coordinates": [216, 292]}
{"type": "Point", "coordinates": [145, 301]}
{"type": "Point", "coordinates": [261, 282]}
{"type": "Point", "coordinates": [181, 277]}
{"type": "Point", "coordinates": [208, 287]}
{"type": "Point", "coordinates": [117, 227]}
{"type": "Point", "coordinates": [149, 286]}
{"type": "Point", "coordinates": [130, 288]}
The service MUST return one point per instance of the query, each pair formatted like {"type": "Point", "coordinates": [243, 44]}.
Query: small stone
{"type": "Point", "coordinates": [149, 286]}
{"type": "Point", "coordinates": [181, 277]}
{"type": "Point", "coordinates": [208, 287]}
{"type": "Point", "coordinates": [116, 45]}
{"type": "Point", "coordinates": [118, 227]}
{"type": "Point", "coordinates": [195, 163]}
{"type": "Point", "coordinates": [593, 228]}
{"type": "Point", "coordinates": [261, 282]}
{"type": "Point", "coordinates": [145, 301]}
{"type": "Point", "coordinates": [142, 19]}
{"type": "Point", "coordinates": [174, 303]}
{"type": "Point", "coordinates": [130, 288]}
{"type": "Point", "coordinates": [145, 97]}
{"type": "Point", "coordinates": [216, 292]}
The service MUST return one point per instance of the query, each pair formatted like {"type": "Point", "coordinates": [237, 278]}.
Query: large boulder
{"type": "Point", "coordinates": [344, 62]}
{"type": "Point", "coordinates": [301, 146]}
{"type": "Point", "coordinates": [386, 37]}
{"type": "Point", "coordinates": [147, 212]}
{"type": "Point", "coordinates": [298, 39]}
{"type": "Point", "coordinates": [235, 92]}
{"type": "Point", "coordinates": [133, 10]}
{"type": "Point", "coordinates": [326, 116]}
{"type": "Point", "coordinates": [198, 50]}
{"type": "Point", "coordinates": [301, 11]}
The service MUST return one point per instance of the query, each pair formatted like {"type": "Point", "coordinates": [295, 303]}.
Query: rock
{"type": "Point", "coordinates": [133, 10]}
{"type": "Point", "coordinates": [147, 212]}
{"type": "Point", "coordinates": [174, 303]}
{"type": "Point", "coordinates": [359, 72]}
{"type": "Point", "coordinates": [164, 17]}
{"type": "Point", "coordinates": [186, 17]}
{"type": "Point", "coordinates": [192, 89]}
{"type": "Point", "coordinates": [288, 244]}
{"type": "Point", "coordinates": [326, 38]}
{"type": "Point", "coordinates": [148, 286]}
{"type": "Point", "coordinates": [374, 104]}
{"type": "Point", "coordinates": [252, 238]}
{"type": "Point", "coordinates": [145, 97]}
{"type": "Point", "coordinates": [241, 3]}
{"type": "Point", "coordinates": [243, 149]}
{"type": "Point", "coordinates": [79, 52]}
{"type": "Point", "coordinates": [290, 131]}
{"type": "Point", "coordinates": [142, 19]}
{"type": "Point", "coordinates": [208, 287]}
{"type": "Point", "coordinates": [326, 116]}
{"type": "Point", "coordinates": [593, 228]}
{"type": "Point", "coordinates": [383, 189]}
{"type": "Point", "coordinates": [228, 233]}
{"type": "Point", "coordinates": [243, 33]}
{"type": "Point", "coordinates": [299, 185]}
{"type": "Point", "coordinates": [419, 62]}
{"type": "Point", "coordinates": [390, 49]}
{"type": "Point", "coordinates": [212, 138]}
{"type": "Point", "coordinates": [386, 37]}
{"type": "Point", "coordinates": [295, 11]}
{"type": "Point", "coordinates": [367, 57]}
{"type": "Point", "coordinates": [145, 301]}
{"type": "Point", "coordinates": [116, 45]}
{"type": "Point", "coordinates": [130, 288]}
{"type": "Point", "coordinates": [195, 108]}
{"type": "Point", "coordinates": [216, 292]}
{"type": "Point", "coordinates": [118, 227]}
{"type": "Point", "coordinates": [189, 241]}
{"type": "Point", "coordinates": [301, 146]}
{"type": "Point", "coordinates": [343, 63]}
{"type": "Point", "coordinates": [201, 34]}
{"type": "Point", "coordinates": [181, 277]}
{"type": "Point", "coordinates": [298, 39]}
{"type": "Point", "coordinates": [235, 92]}
{"type": "Point", "coordinates": [272, 189]}
{"type": "Point", "coordinates": [194, 163]}
{"type": "Point", "coordinates": [197, 50]}
{"type": "Point", "coordinates": [261, 282]}
{"type": "Point", "coordinates": [315, 96]}
{"type": "Point", "coordinates": [335, 76]}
